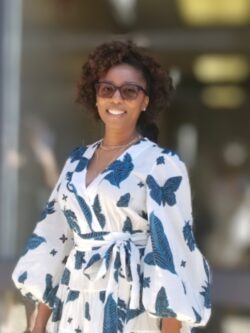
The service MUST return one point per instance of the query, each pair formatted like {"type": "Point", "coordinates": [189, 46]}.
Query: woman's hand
{"type": "Point", "coordinates": [170, 325]}
{"type": "Point", "coordinates": [38, 330]}
{"type": "Point", "coordinates": [42, 318]}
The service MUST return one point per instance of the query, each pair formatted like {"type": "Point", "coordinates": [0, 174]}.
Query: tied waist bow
{"type": "Point", "coordinates": [118, 252]}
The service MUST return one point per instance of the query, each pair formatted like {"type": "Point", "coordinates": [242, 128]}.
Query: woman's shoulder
{"type": "Point", "coordinates": [77, 153]}
{"type": "Point", "coordinates": [161, 154]}
{"type": "Point", "coordinates": [164, 162]}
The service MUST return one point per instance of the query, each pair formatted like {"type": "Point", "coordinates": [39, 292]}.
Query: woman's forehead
{"type": "Point", "coordinates": [124, 73]}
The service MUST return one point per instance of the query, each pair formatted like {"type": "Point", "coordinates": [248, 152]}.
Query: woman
{"type": "Point", "coordinates": [114, 249]}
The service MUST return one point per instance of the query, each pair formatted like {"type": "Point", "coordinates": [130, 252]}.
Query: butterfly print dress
{"type": "Point", "coordinates": [120, 254]}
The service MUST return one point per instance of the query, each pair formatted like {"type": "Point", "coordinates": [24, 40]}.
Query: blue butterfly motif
{"type": "Point", "coordinates": [197, 316]}
{"type": "Point", "coordinates": [72, 295]}
{"type": "Point", "coordinates": [83, 162]}
{"type": "Point", "coordinates": [82, 203]}
{"type": "Point", "coordinates": [98, 212]}
{"type": "Point", "coordinates": [110, 323]}
{"type": "Point", "coordinates": [118, 171]}
{"type": "Point", "coordinates": [189, 236]}
{"type": "Point", "coordinates": [57, 310]}
{"type": "Point", "coordinates": [49, 209]}
{"type": "Point", "coordinates": [77, 153]}
{"type": "Point", "coordinates": [206, 294]}
{"type": "Point", "coordinates": [87, 312]}
{"type": "Point", "coordinates": [162, 306]}
{"type": "Point", "coordinates": [166, 193]}
{"type": "Point", "coordinates": [72, 220]}
{"type": "Point", "coordinates": [124, 200]}
{"type": "Point", "coordinates": [65, 277]}
{"type": "Point", "coordinates": [33, 243]}
{"type": "Point", "coordinates": [162, 255]}
{"type": "Point", "coordinates": [22, 277]}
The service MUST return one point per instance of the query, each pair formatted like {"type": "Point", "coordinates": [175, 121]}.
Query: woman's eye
{"type": "Point", "coordinates": [107, 89]}
{"type": "Point", "coordinates": [130, 90]}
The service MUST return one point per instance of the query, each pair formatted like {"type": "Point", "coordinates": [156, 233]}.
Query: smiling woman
{"type": "Point", "coordinates": [149, 75]}
{"type": "Point", "coordinates": [126, 102]}
{"type": "Point", "coordinates": [115, 237]}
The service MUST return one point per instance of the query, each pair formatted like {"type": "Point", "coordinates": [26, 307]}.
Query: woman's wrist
{"type": "Point", "coordinates": [40, 326]}
{"type": "Point", "coordinates": [42, 318]}
{"type": "Point", "coordinates": [170, 325]}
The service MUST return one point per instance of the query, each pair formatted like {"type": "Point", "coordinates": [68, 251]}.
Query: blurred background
{"type": "Point", "coordinates": [206, 46]}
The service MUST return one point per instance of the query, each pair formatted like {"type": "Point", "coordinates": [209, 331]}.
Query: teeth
{"type": "Point", "coordinates": [116, 112]}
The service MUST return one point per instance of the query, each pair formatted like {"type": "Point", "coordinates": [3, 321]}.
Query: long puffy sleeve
{"type": "Point", "coordinates": [176, 275]}
{"type": "Point", "coordinates": [38, 271]}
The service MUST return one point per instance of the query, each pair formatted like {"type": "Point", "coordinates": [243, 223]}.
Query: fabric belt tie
{"type": "Point", "coordinates": [114, 251]}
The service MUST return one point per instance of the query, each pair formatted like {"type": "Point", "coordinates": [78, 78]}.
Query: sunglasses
{"type": "Point", "coordinates": [128, 91]}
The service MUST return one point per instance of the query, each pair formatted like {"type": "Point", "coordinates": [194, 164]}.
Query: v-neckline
{"type": "Point", "coordinates": [93, 148]}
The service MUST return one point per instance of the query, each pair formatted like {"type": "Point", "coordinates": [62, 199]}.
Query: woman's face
{"type": "Point", "coordinates": [115, 111]}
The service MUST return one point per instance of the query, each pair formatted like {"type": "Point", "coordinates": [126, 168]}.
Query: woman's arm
{"type": "Point", "coordinates": [42, 318]}
{"type": "Point", "coordinates": [170, 325]}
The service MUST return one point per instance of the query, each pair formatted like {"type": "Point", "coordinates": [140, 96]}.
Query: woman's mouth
{"type": "Point", "coordinates": [115, 112]}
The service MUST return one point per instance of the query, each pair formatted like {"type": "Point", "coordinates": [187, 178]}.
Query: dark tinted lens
{"type": "Point", "coordinates": [129, 91]}
{"type": "Point", "coordinates": [105, 89]}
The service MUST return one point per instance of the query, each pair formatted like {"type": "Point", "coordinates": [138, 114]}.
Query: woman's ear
{"type": "Point", "coordinates": [145, 104]}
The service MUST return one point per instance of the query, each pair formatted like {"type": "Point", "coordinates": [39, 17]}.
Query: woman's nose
{"type": "Point", "coordinates": [117, 95]}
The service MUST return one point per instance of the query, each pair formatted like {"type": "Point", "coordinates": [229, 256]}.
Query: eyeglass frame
{"type": "Point", "coordinates": [140, 88]}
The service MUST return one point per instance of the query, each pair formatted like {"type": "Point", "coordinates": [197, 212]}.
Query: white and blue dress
{"type": "Point", "coordinates": [120, 254]}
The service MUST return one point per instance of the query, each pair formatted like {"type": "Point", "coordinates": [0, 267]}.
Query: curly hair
{"type": "Point", "coordinates": [158, 82]}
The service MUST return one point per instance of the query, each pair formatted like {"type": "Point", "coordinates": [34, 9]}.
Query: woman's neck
{"type": "Point", "coordinates": [112, 138]}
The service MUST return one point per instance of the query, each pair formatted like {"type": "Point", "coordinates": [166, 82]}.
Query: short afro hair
{"type": "Point", "coordinates": [158, 83]}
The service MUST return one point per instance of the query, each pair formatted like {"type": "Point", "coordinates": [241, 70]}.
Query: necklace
{"type": "Point", "coordinates": [119, 150]}
{"type": "Point", "coordinates": [114, 147]}
{"type": "Point", "coordinates": [112, 160]}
